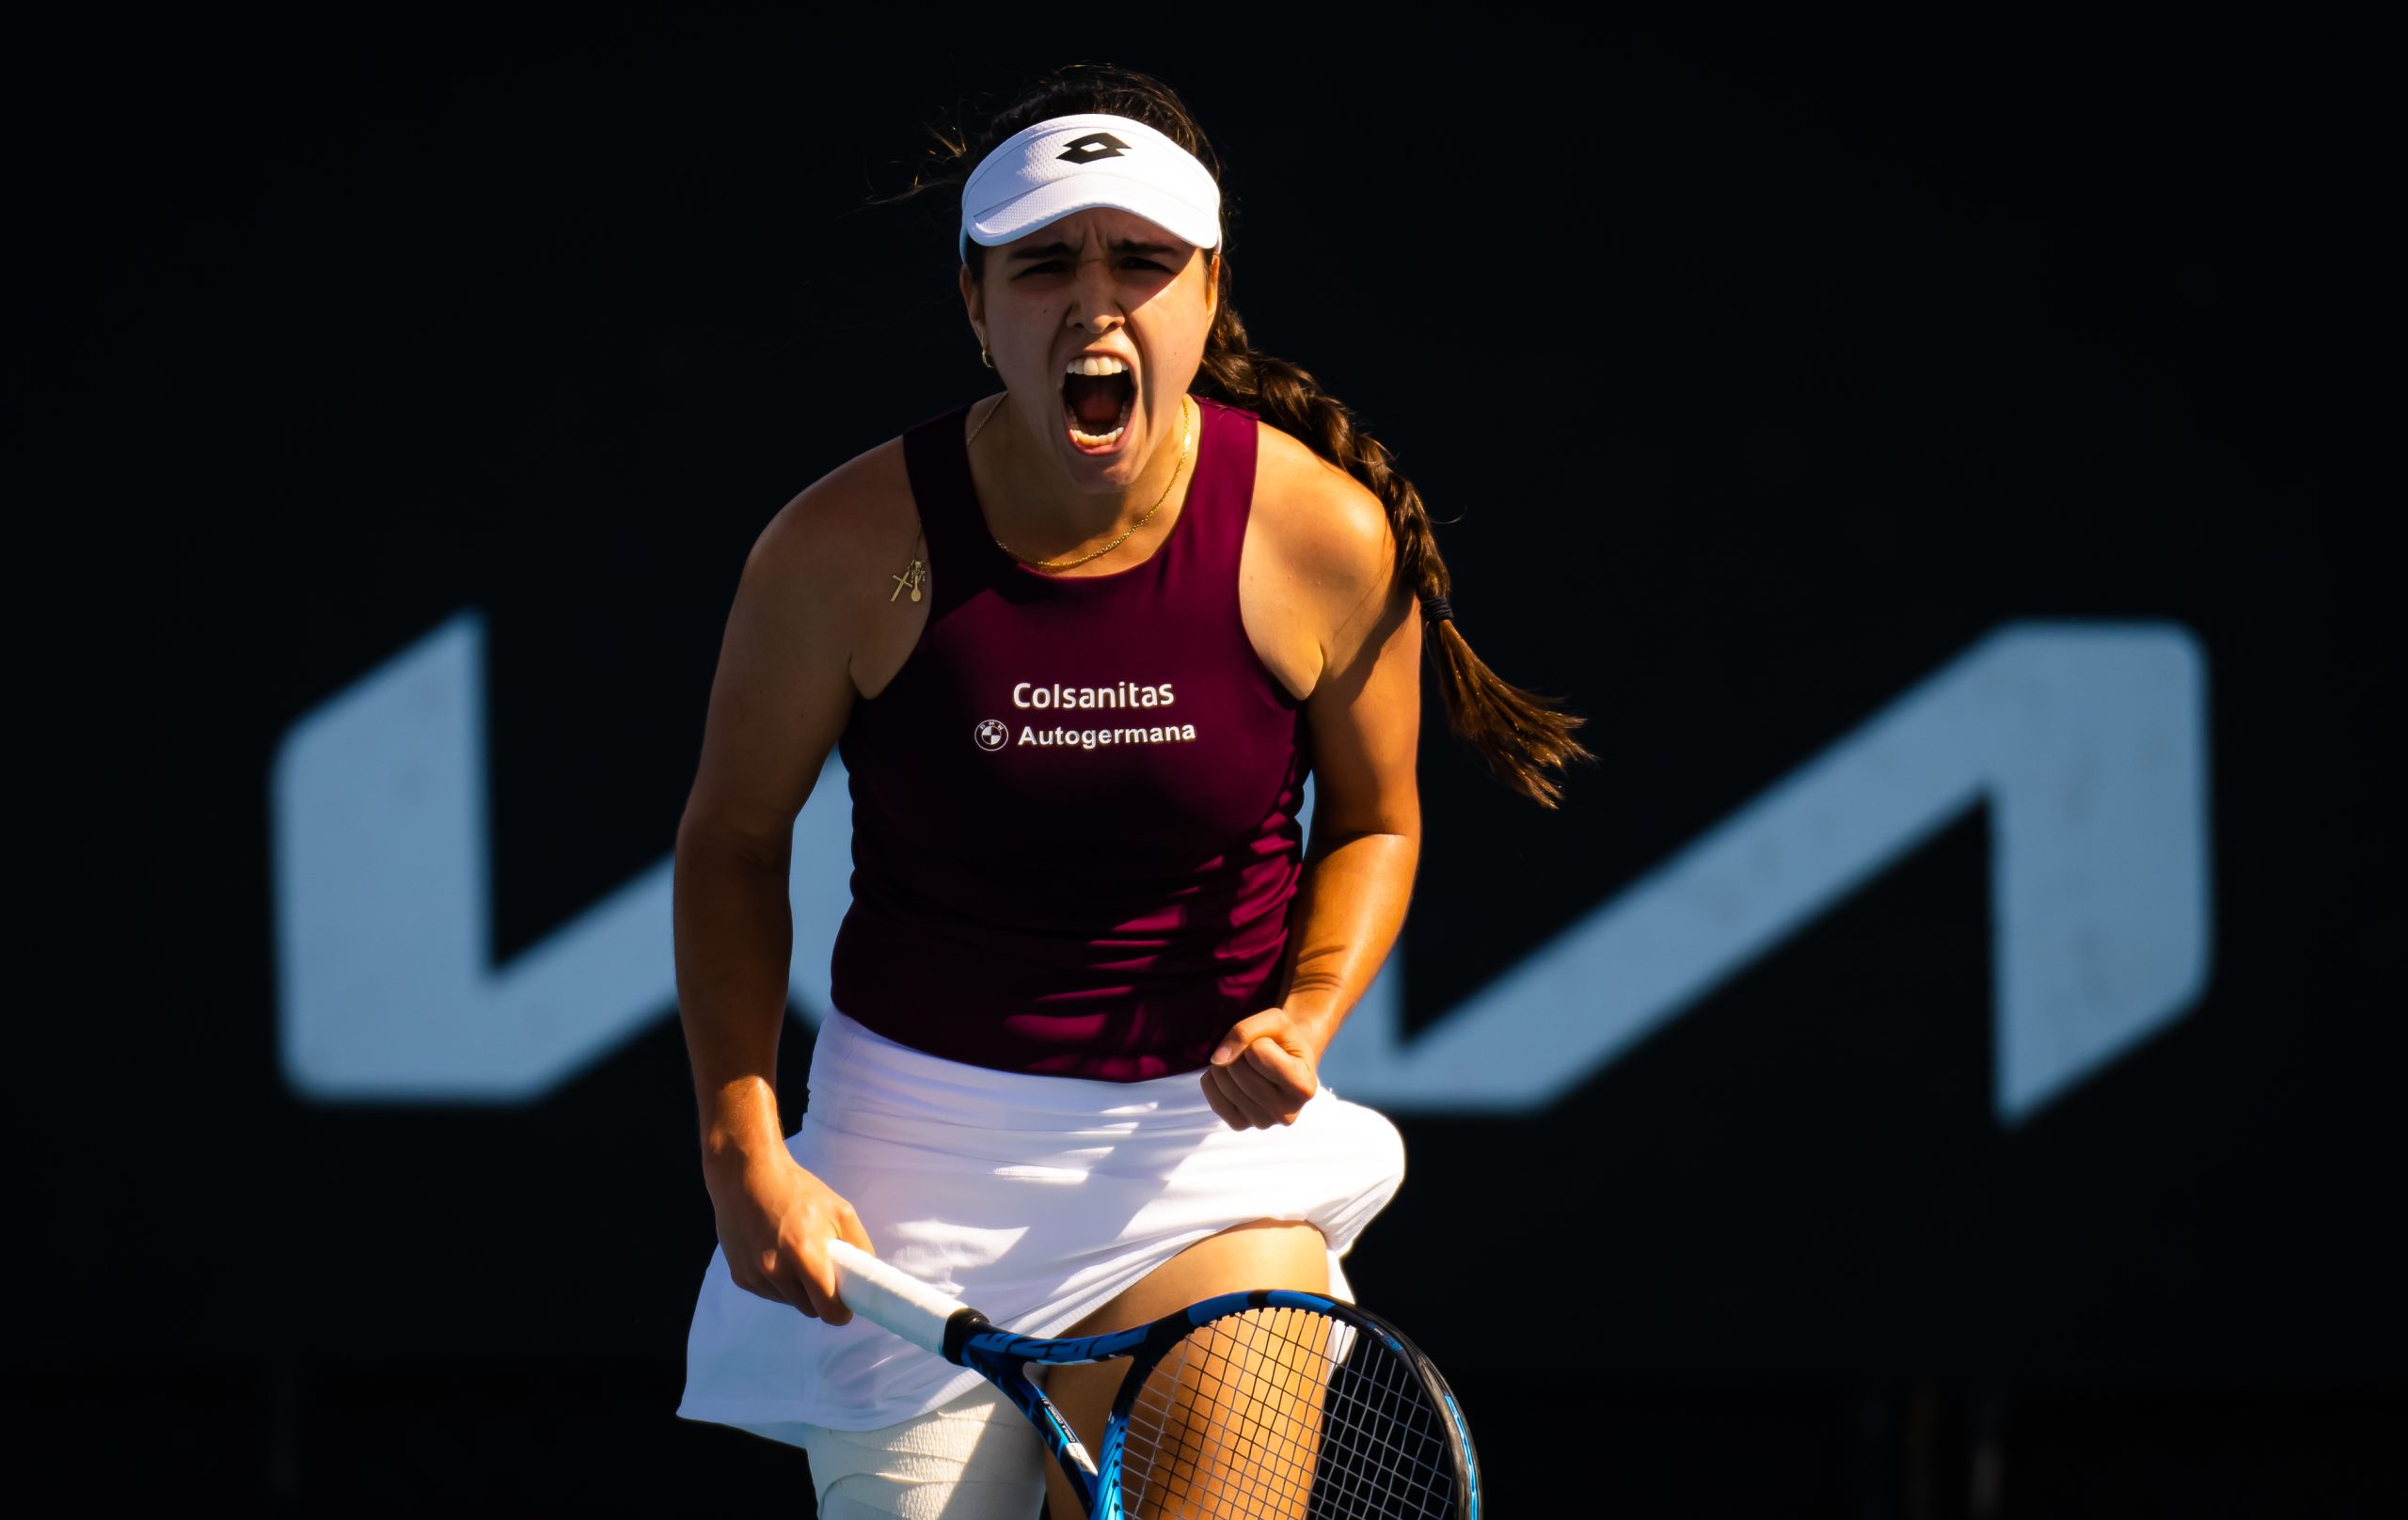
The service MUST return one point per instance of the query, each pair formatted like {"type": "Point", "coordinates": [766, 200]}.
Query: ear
{"type": "Point", "coordinates": [974, 300]}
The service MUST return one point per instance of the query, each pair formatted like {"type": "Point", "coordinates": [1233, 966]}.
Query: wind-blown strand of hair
{"type": "Point", "coordinates": [1520, 736]}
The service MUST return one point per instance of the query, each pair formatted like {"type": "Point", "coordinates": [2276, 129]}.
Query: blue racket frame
{"type": "Point", "coordinates": [1004, 1358]}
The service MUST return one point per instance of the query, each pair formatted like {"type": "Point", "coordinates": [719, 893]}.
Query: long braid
{"type": "Point", "coordinates": [1521, 736]}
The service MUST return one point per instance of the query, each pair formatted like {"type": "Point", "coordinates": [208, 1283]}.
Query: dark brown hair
{"type": "Point", "coordinates": [1520, 736]}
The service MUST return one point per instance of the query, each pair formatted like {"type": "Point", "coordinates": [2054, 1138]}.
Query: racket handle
{"type": "Point", "coordinates": [890, 1298]}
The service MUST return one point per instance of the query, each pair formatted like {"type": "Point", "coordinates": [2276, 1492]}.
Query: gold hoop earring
{"type": "Point", "coordinates": [984, 357]}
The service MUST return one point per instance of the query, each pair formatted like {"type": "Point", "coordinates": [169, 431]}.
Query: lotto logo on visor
{"type": "Point", "coordinates": [1072, 164]}
{"type": "Point", "coordinates": [1093, 146]}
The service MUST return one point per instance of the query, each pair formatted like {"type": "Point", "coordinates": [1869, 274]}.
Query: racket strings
{"type": "Point", "coordinates": [1285, 1415]}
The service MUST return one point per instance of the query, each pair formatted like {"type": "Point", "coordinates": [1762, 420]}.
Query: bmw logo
{"type": "Point", "coordinates": [990, 733]}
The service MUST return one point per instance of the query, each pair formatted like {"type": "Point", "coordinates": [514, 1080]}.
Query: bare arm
{"type": "Point", "coordinates": [1365, 718]}
{"type": "Point", "coordinates": [781, 696]}
{"type": "Point", "coordinates": [777, 705]}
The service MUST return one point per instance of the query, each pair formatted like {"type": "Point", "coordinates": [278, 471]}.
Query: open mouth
{"type": "Point", "coordinates": [1096, 408]}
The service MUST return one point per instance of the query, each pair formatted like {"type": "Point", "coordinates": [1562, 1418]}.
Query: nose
{"type": "Point", "coordinates": [1095, 300]}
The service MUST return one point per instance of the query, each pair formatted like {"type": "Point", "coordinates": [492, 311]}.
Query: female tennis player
{"type": "Point", "coordinates": [1079, 643]}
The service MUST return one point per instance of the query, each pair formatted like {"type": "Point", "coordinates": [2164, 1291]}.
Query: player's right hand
{"type": "Point", "coordinates": [774, 1223]}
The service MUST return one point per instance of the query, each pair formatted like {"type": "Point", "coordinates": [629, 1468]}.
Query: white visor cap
{"type": "Point", "coordinates": [1069, 163]}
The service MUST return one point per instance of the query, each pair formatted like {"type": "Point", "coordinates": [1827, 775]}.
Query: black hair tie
{"type": "Point", "coordinates": [1434, 609]}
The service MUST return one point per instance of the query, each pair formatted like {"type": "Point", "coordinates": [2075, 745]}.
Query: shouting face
{"type": "Point", "coordinates": [1097, 324]}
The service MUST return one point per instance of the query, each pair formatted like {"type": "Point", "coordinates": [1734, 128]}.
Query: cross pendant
{"type": "Point", "coordinates": [910, 577]}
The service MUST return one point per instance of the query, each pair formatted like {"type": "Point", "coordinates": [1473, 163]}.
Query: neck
{"type": "Point", "coordinates": [1035, 506]}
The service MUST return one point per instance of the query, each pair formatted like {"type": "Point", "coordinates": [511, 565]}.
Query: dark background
{"type": "Point", "coordinates": [1752, 373]}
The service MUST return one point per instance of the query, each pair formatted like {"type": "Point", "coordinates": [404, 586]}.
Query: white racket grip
{"type": "Point", "coordinates": [890, 1298]}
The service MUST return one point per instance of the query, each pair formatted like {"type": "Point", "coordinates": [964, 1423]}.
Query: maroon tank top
{"type": "Point", "coordinates": [1074, 808]}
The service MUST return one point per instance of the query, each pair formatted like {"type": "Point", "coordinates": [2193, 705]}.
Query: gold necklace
{"type": "Point", "coordinates": [1186, 437]}
{"type": "Point", "coordinates": [1000, 403]}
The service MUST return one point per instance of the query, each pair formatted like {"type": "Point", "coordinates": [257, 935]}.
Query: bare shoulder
{"type": "Point", "coordinates": [786, 682]}
{"type": "Point", "coordinates": [1328, 537]}
{"type": "Point", "coordinates": [1323, 517]}
{"type": "Point", "coordinates": [846, 519]}
{"type": "Point", "coordinates": [840, 539]}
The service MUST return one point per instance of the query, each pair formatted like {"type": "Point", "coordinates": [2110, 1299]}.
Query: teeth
{"type": "Point", "coordinates": [1097, 364]}
{"type": "Point", "coordinates": [1088, 440]}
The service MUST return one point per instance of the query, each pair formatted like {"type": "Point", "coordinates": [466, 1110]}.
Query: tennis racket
{"type": "Point", "coordinates": [1264, 1403]}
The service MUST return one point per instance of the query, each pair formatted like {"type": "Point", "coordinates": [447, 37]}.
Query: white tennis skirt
{"type": "Point", "coordinates": [1037, 1199]}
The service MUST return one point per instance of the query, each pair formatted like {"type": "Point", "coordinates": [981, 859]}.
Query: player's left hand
{"type": "Point", "coordinates": [1262, 1071]}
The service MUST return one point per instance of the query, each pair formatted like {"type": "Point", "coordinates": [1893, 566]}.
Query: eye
{"type": "Point", "coordinates": [1051, 266]}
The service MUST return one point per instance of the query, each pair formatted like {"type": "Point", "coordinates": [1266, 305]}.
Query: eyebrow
{"type": "Point", "coordinates": [1056, 250]}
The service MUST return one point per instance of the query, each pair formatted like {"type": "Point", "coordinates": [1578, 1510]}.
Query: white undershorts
{"type": "Point", "coordinates": [1037, 1199]}
{"type": "Point", "coordinates": [976, 1458]}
